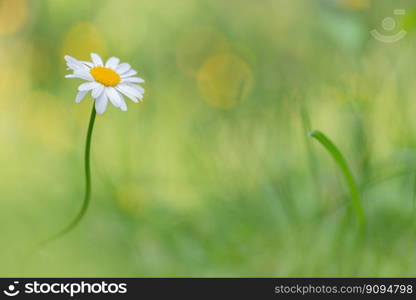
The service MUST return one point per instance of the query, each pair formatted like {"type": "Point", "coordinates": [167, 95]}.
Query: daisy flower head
{"type": "Point", "coordinates": [107, 82]}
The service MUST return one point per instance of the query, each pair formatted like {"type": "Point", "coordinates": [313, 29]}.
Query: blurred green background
{"type": "Point", "coordinates": [213, 174]}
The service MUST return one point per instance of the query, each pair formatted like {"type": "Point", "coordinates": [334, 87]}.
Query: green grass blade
{"type": "Point", "coordinates": [349, 179]}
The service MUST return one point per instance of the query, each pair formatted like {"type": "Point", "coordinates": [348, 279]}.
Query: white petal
{"type": "Point", "coordinates": [114, 96]}
{"type": "Point", "coordinates": [80, 96]}
{"type": "Point", "coordinates": [88, 86]}
{"type": "Point", "coordinates": [123, 106]}
{"type": "Point", "coordinates": [75, 67]}
{"type": "Point", "coordinates": [96, 59]}
{"type": "Point", "coordinates": [83, 75]}
{"type": "Point", "coordinates": [101, 104]}
{"type": "Point", "coordinates": [112, 62]}
{"type": "Point", "coordinates": [134, 79]}
{"type": "Point", "coordinates": [128, 95]}
{"type": "Point", "coordinates": [88, 64]}
{"type": "Point", "coordinates": [124, 88]}
{"type": "Point", "coordinates": [96, 92]}
{"type": "Point", "coordinates": [129, 73]}
{"type": "Point", "coordinates": [69, 58]}
{"type": "Point", "coordinates": [72, 60]}
{"type": "Point", "coordinates": [122, 68]}
{"type": "Point", "coordinates": [75, 64]}
{"type": "Point", "coordinates": [136, 87]}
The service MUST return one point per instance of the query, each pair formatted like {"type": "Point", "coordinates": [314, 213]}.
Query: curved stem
{"type": "Point", "coordinates": [349, 178]}
{"type": "Point", "coordinates": [87, 171]}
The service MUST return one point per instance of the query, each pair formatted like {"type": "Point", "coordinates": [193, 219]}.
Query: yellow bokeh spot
{"type": "Point", "coordinates": [12, 15]}
{"type": "Point", "coordinates": [8, 83]}
{"type": "Point", "coordinates": [43, 119]}
{"type": "Point", "coordinates": [105, 76]}
{"type": "Point", "coordinates": [355, 4]}
{"type": "Point", "coordinates": [81, 40]}
{"type": "Point", "coordinates": [131, 198]}
{"type": "Point", "coordinates": [225, 79]}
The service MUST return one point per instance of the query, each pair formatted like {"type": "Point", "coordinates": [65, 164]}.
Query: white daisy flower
{"type": "Point", "coordinates": [106, 82]}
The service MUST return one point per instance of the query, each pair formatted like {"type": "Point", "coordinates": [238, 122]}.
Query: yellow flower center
{"type": "Point", "coordinates": [105, 76]}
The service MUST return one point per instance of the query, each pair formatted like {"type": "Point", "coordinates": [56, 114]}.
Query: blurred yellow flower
{"type": "Point", "coordinates": [82, 39]}
{"type": "Point", "coordinates": [224, 79]}
{"type": "Point", "coordinates": [13, 14]}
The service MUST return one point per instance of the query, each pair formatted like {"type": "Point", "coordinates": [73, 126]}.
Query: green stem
{"type": "Point", "coordinates": [87, 171]}
{"type": "Point", "coordinates": [349, 179]}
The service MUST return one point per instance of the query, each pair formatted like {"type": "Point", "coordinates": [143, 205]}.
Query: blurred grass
{"type": "Point", "coordinates": [339, 159]}
{"type": "Point", "coordinates": [211, 175]}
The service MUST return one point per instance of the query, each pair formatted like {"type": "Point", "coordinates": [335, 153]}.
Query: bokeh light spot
{"type": "Point", "coordinates": [355, 4]}
{"type": "Point", "coordinates": [42, 114]}
{"type": "Point", "coordinates": [131, 198]}
{"type": "Point", "coordinates": [224, 79]}
{"type": "Point", "coordinates": [81, 40]}
{"type": "Point", "coordinates": [13, 14]}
